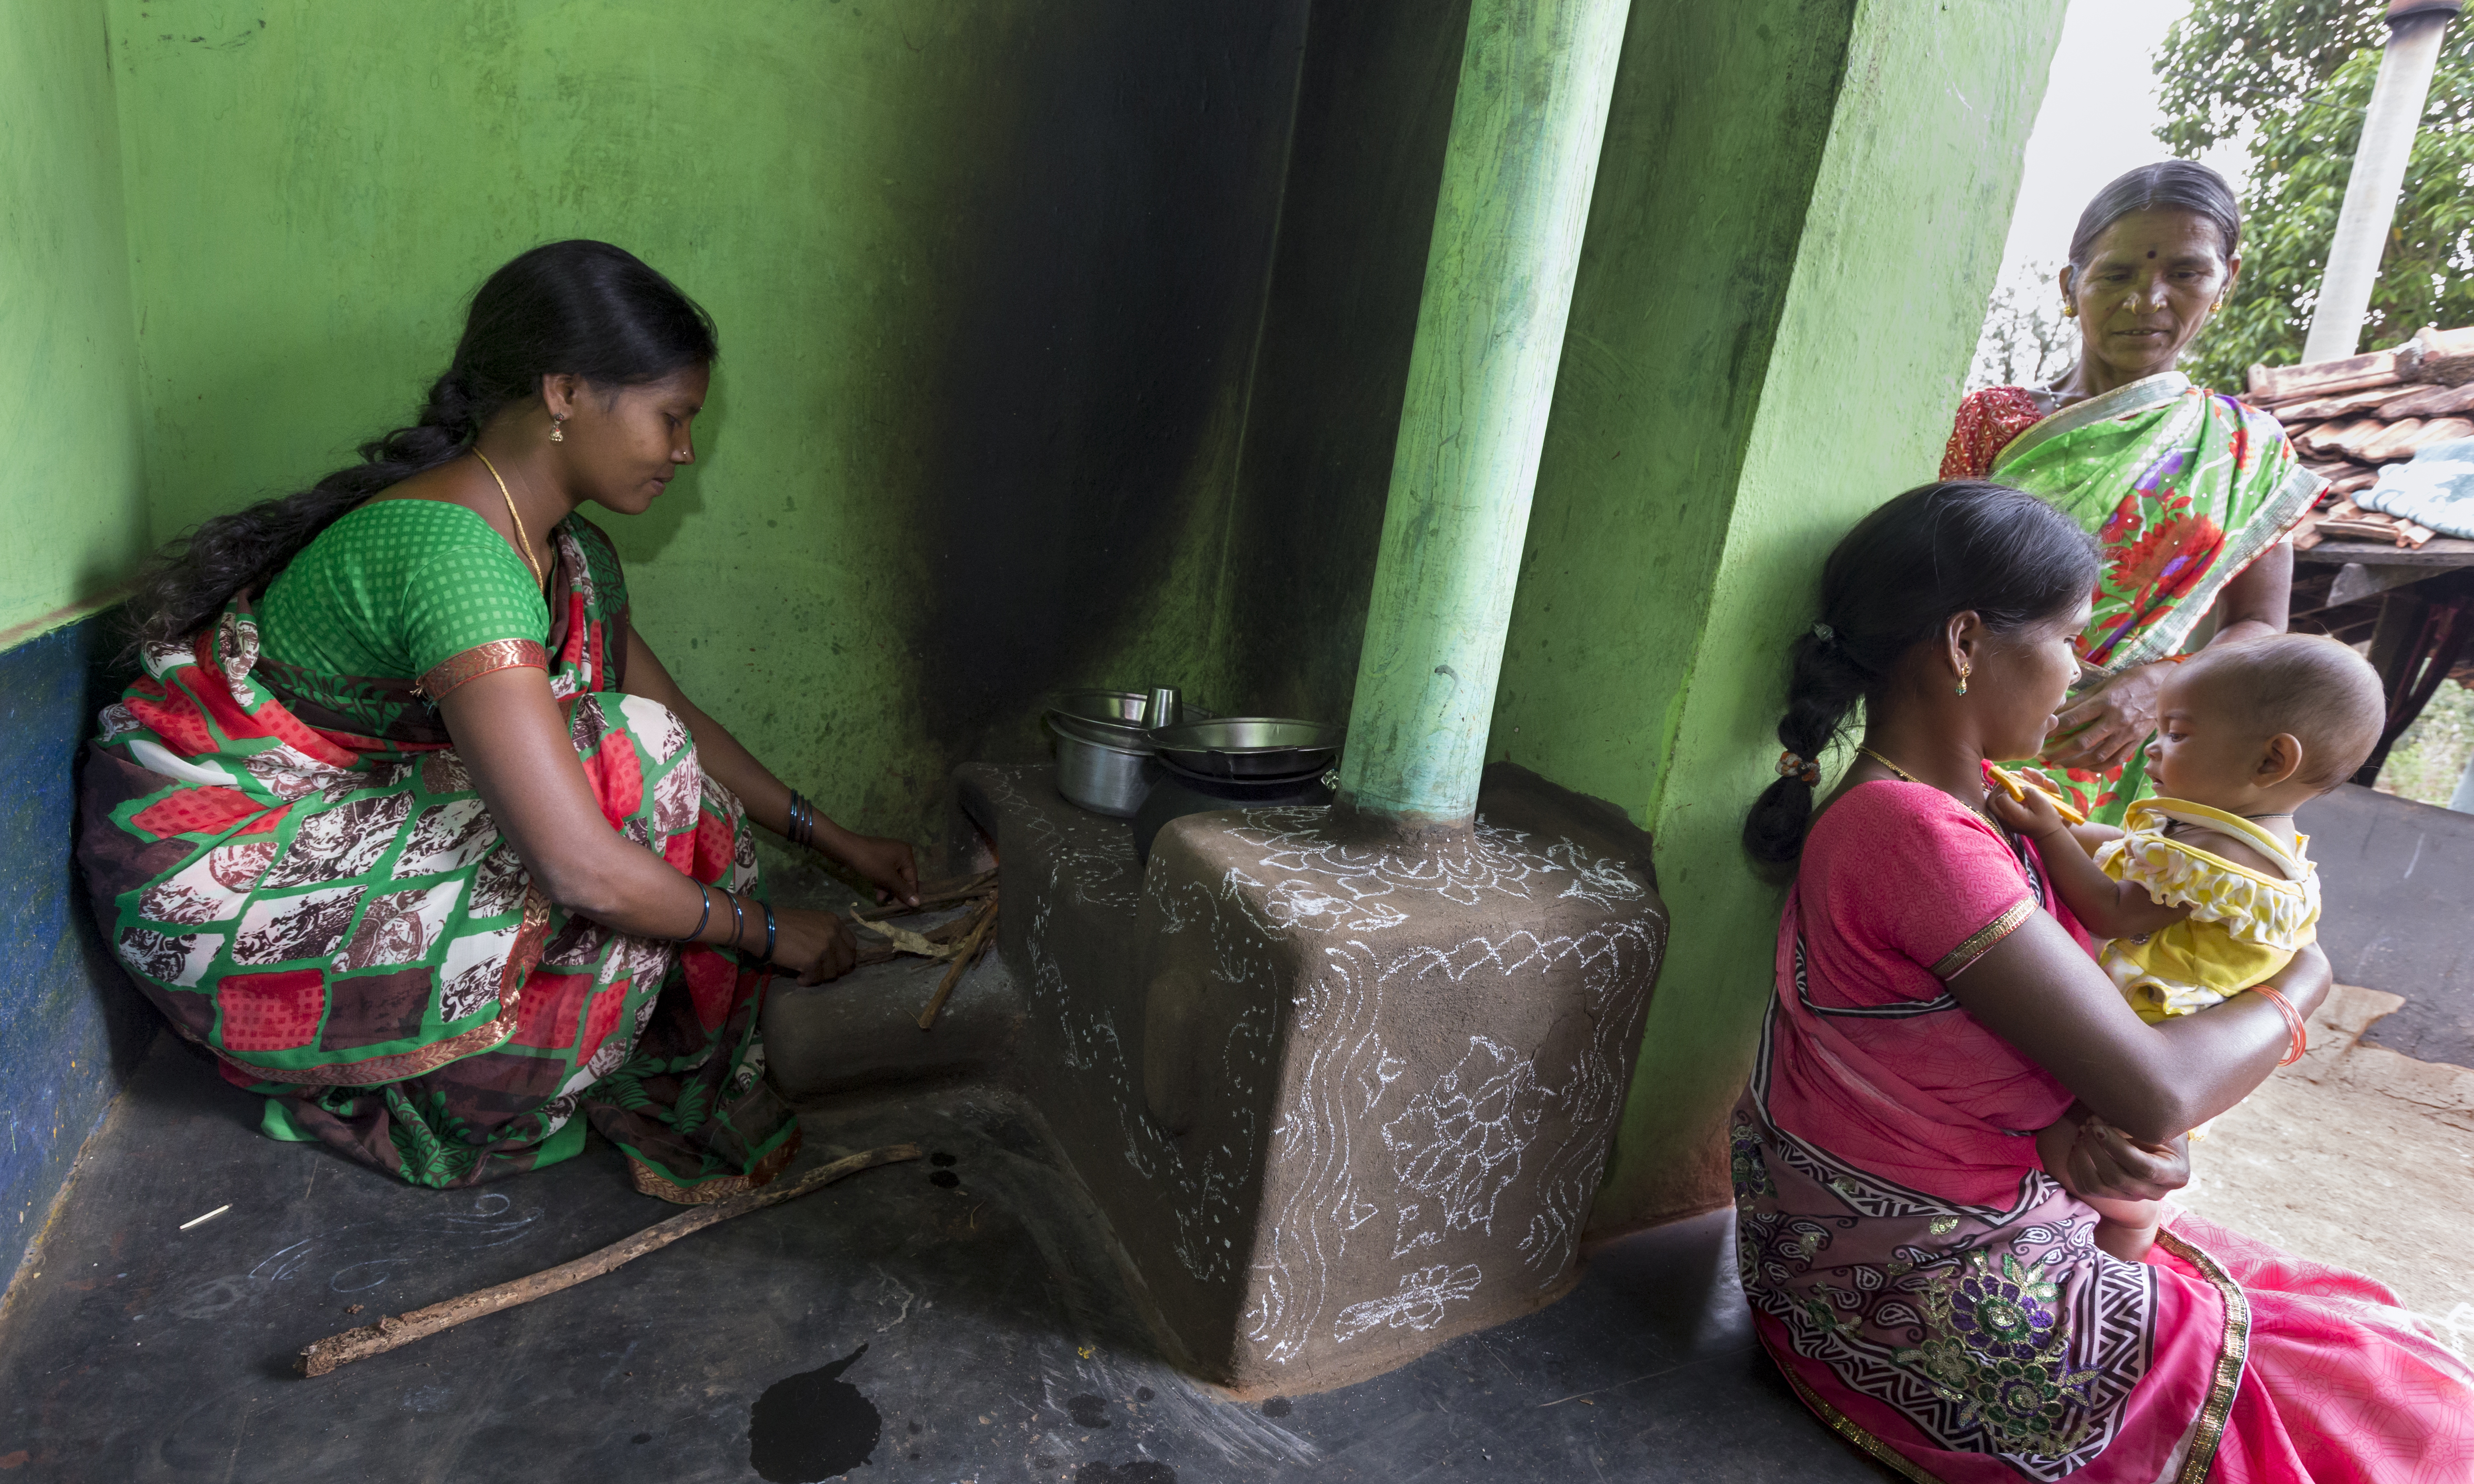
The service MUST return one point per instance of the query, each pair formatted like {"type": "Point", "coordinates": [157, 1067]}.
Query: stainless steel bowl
{"type": "Point", "coordinates": [1100, 778]}
{"type": "Point", "coordinates": [1120, 708]}
{"type": "Point", "coordinates": [1248, 746]}
{"type": "Point", "coordinates": [1110, 718]}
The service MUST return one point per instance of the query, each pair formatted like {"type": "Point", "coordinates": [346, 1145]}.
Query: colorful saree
{"type": "Point", "coordinates": [2182, 487]}
{"type": "Point", "coordinates": [1939, 1301]}
{"type": "Point", "coordinates": [295, 869]}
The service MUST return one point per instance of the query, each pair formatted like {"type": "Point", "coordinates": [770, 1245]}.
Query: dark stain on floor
{"type": "Point", "coordinates": [1087, 1411]}
{"type": "Point", "coordinates": [813, 1426]}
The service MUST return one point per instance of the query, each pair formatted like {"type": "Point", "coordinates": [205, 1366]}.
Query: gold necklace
{"type": "Point", "coordinates": [524, 539]}
{"type": "Point", "coordinates": [1903, 776]}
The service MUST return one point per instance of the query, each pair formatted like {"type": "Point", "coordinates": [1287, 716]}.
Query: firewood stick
{"type": "Point", "coordinates": [939, 896]}
{"type": "Point", "coordinates": [392, 1330]}
{"type": "Point", "coordinates": [970, 951]}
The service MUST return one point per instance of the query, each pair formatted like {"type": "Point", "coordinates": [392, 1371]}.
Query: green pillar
{"type": "Point", "coordinates": [1801, 212]}
{"type": "Point", "coordinates": [1517, 170]}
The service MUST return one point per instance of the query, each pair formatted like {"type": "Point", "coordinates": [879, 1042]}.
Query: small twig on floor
{"type": "Point", "coordinates": [394, 1329]}
{"type": "Point", "coordinates": [962, 960]}
{"type": "Point", "coordinates": [200, 1221]}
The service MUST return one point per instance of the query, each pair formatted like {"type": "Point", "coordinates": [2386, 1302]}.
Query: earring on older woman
{"type": "Point", "coordinates": [2070, 310]}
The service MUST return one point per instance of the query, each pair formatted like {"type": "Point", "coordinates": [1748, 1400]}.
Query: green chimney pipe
{"type": "Point", "coordinates": [1517, 170]}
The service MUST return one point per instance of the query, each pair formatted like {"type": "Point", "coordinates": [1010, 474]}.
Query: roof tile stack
{"type": "Point", "coordinates": [2351, 417]}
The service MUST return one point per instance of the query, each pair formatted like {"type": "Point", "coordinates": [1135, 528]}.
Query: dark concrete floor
{"type": "Point", "coordinates": [914, 1322]}
{"type": "Point", "coordinates": [2396, 913]}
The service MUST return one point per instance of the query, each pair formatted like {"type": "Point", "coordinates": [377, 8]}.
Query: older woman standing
{"type": "Point", "coordinates": [2189, 493]}
{"type": "Point", "coordinates": [406, 823]}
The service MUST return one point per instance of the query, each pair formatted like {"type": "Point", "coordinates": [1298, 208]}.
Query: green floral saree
{"type": "Point", "coordinates": [2184, 488]}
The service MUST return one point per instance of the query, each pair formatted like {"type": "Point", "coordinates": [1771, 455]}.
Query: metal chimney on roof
{"type": "Point", "coordinates": [2388, 124]}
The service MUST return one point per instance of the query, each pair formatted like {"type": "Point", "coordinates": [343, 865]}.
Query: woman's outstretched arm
{"type": "Point", "coordinates": [887, 862]}
{"type": "Point", "coordinates": [511, 736]}
{"type": "Point", "coordinates": [2040, 992]}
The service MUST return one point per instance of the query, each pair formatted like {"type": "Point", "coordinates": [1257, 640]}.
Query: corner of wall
{"type": "Point", "coordinates": [1912, 197]}
{"type": "Point", "coordinates": [71, 1026]}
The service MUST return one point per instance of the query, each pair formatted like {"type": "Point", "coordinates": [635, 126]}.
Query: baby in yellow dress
{"type": "Point", "coordinates": [2208, 889]}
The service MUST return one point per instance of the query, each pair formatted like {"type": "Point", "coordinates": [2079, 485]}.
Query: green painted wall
{"type": "Point", "coordinates": [1064, 342]}
{"type": "Point", "coordinates": [68, 390]}
{"type": "Point", "coordinates": [1323, 417]}
{"type": "Point", "coordinates": [990, 280]}
{"type": "Point", "coordinates": [1799, 214]}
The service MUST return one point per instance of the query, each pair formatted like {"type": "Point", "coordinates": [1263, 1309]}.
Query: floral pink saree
{"type": "Point", "coordinates": [1939, 1301]}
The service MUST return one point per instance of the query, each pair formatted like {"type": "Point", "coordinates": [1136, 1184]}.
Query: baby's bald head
{"type": "Point", "coordinates": [2309, 686]}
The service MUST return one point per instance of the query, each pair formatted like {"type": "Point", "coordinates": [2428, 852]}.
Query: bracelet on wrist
{"type": "Point", "coordinates": [2302, 1034]}
{"type": "Point", "coordinates": [737, 920]}
{"type": "Point", "coordinates": [767, 956]}
{"type": "Point", "coordinates": [702, 918]}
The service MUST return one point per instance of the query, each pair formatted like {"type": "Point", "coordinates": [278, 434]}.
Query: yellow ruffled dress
{"type": "Point", "coordinates": [2244, 925]}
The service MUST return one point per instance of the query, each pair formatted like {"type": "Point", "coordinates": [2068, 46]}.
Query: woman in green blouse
{"type": "Point", "coordinates": [406, 823]}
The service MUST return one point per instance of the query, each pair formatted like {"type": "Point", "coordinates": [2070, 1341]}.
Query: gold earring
{"type": "Point", "coordinates": [556, 434]}
{"type": "Point", "coordinates": [2070, 310]}
{"type": "Point", "coordinates": [1963, 672]}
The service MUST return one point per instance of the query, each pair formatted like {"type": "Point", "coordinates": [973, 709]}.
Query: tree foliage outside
{"type": "Point", "coordinates": [2292, 78]}
{"type": "Point", "coordinates": [2429, 758]}
{"type": "Point", "coordinates": [2026, 340]}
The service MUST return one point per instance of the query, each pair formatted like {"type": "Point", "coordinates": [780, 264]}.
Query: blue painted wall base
{"type": "Point", "coordinates": [72, 1027]}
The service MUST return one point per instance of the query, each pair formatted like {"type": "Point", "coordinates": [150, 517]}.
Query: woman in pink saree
{"type": "Point", "coordinates": [1927, 1289]}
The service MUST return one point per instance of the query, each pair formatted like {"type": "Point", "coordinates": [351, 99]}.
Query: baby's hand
{"type": "Point", "coordinates": [2033, 815]}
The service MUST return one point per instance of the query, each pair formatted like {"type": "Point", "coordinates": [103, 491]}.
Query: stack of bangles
{"type": "Point", "coordinates": [2292, 1022]}
{"type": "Point", "coordinates": [739, 923]}
{"type": "Point", "coordinates": [803, 822]}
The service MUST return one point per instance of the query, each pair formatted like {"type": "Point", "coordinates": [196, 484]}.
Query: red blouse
{"type": "Point", "coordinates": [1987, 420]}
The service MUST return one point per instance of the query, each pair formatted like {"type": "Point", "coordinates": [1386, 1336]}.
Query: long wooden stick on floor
{"type": "Point", "coordinates": [394, 1329]}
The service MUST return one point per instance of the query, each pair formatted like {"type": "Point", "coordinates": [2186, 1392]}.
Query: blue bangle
{"type": "Point", "coordinates": [702, 918]}
{"type": "Point", "coordinates": [769, 933]}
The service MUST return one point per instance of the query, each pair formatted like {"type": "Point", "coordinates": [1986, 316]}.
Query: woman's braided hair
{"type": "Point", "coordinates": [1891, 584]}
{"type": "Point", "coordinates": [577, 307]}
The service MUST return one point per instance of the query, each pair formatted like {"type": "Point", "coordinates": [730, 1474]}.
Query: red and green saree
{"type": "Point", "coordinates": [291, 862]}
{"type": "Point", "coordinates": [2182, 487]}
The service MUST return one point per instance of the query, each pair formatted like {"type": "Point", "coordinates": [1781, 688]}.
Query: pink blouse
{"type": "Point", "coordinates": [1901, 888]}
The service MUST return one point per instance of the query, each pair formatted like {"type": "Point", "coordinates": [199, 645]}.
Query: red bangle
{"type": "Point", "coordinates": [2292, 1022]}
